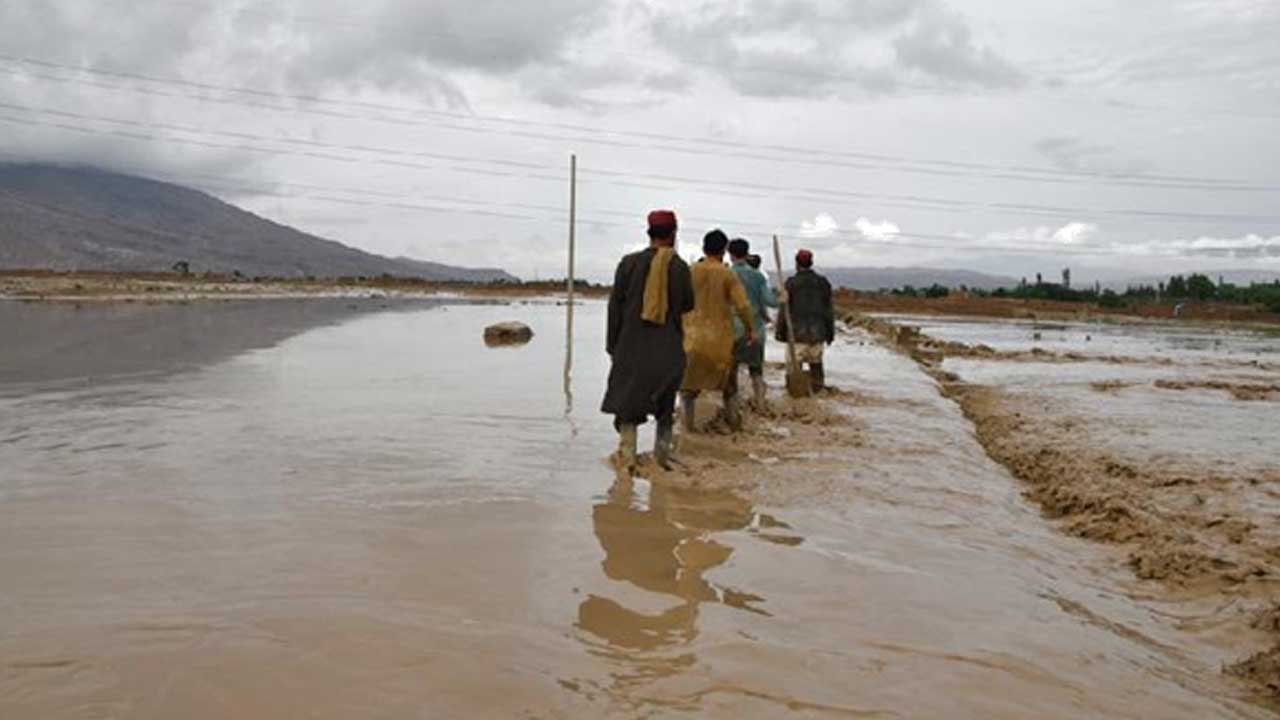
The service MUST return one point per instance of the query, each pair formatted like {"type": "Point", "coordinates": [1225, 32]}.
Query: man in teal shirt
{"type": "Point", "coordinates": [761, 296]}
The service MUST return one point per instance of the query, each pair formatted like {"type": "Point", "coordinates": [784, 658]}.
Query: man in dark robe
{"type": "Point", "coordinates": [652, 291]}
{"type": "Point", "coordinates": [812, 311]}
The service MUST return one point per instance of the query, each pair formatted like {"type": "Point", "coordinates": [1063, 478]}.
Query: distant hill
{"type": "Point", "coordinates": [64, 218]}
{"type": "Point", "coordinates": [876, 278]}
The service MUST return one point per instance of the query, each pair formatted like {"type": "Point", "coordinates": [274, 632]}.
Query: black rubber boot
{"type": "Point", "coordinates": [733, 411]}
{"type": "Point", "coordinates": [689, 409]}
{"type": "Point", "coordinates": [663, 444]}
{"type": "Point", "coordinates": [759, 393]}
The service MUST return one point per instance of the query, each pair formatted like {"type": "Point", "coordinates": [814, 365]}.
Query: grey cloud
{"type": "Point", "coordinates": [1074, 154]}
{"type": "Point", "coordinates": [791, 74]}
{"type": "Point", "coordinates": [403, 46]}
{"type": "Point", "coordinates": [1240, 253]}
{"type": "Point", "coordinates": [593, 88]}
{"type": "Point", "coordinates": [1164, 43]}
{"type": "Point", "coordinates": [403, 42]}
{"type": "Point", "coordinates": [815, 48]}
{"type": "Point", "coordinates": [179, 163]}
{"type": "Point", "coordinates": [72, 140]}
{"type": "Point", "coordinates": [810, 65]}
{"type": "Point", "coordinates": [396, 72]}
{"type": "Point", "coordinates": [102, 33]}
{"type": "Point", "coordinates": [667, 82]}
{"type": "Point", "coordinates": [942, 46]}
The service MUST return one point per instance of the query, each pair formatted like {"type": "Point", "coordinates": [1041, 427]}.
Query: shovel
{"type": "Point", "coordinates": [798, 384]}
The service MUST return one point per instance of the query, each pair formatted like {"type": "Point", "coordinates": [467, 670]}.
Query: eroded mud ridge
{"type": "Point", "coordinates": [924, 348]}
{"type": "Point", "coordinates": [1185, 525]}
{"type": "Point", "coordinates": [1240, 391]}
{"type": "Point", "coordinates": [1202, 529]}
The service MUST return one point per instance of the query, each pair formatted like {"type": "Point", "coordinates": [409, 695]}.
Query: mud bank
{"type": "Point", "coordinates": [1183, 524]}
{"type": "Point", "coordinates": [106, 287]}
{"type": "Point", "coordinates": [902, 333]}
{"type": "Point", "coordinates": [930, 350]}
{"type": "Point", "coordinates": [1240, 391]}
{"type": "Point", "coordinates": [1201, 529]}
{"type": "Point", "coordinates": [962, 304]}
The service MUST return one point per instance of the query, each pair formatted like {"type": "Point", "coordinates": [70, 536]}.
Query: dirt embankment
{"type": "Point", "coordinates": [1240, 391]}
{"type": "Point", "coordinates": [1197, 530]}
{"type": "Point", "coordinates": [961, 304]}
{"type": "Point", "coordinates": [931, 351]}
{"type": "Point", "coordinates": [161, 287]}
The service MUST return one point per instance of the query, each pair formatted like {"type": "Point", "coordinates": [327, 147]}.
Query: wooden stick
{"type": "Point", "coordinates": [786, 308]}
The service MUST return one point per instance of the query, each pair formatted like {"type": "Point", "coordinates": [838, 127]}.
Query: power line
{"type": "Point", "coordinates": [938, 242]}
{"type": "Point", "coordinates": [828, 197]}
{"type": "Point", "coordinates": [612, 49]}
{"type": "Point", "coordinates": [350, 21]}
{"type": "Point", "coordinates": [347, 22]}
{"type": "Point", "coordinates": [726, 148]}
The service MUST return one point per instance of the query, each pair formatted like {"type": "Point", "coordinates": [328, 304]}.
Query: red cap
{"type": "Point", "coordinates": [804, 256]}
{"type": "Point", "coordinates": [662, 219]}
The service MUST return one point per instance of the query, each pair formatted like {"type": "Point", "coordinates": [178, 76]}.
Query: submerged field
{"type": "Point", "coordinates": [278, 508]}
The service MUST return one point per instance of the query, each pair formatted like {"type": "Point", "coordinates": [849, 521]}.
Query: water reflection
{"type": "Point", "coordinates": [47, 343]}
{"type": "Point", "coordinates": [665, 544]}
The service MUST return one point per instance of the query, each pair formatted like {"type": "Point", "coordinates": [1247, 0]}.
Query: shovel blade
{"type": "Point", "coordinates": [798, 384]}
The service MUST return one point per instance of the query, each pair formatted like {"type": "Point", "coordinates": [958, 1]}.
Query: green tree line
{"type": "Point", "coordinates": [1195, 287]}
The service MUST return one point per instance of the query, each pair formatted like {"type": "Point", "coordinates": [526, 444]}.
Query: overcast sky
{"type": "Point", "coordinates": [1120, 137]}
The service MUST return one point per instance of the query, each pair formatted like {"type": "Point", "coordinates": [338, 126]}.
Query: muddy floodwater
{"type": "Point", "coordinates": [356, 509]}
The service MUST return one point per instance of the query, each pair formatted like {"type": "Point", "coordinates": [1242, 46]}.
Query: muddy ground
{"type": "Point", "coordinates": [1204, 529]}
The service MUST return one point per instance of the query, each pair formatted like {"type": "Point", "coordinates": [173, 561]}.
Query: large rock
{"type": "Point", "coordinates": [507, 333]}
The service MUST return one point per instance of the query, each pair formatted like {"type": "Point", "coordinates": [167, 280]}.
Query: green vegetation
{"type": "Point", "coordinates": [933, 291]}
{"type": "Point", "coordinates": [1196, 287]}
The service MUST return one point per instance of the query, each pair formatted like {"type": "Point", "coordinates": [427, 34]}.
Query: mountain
{"type": "Point", "coordinates": [876, 278]}
{"type": "Point", "coordinates": [68, 218]}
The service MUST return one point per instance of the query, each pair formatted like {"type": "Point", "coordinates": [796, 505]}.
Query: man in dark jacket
{"type": "Point", "coordinates": [652, 291]}
{"type": "Point", "coordinates": [812, 312]}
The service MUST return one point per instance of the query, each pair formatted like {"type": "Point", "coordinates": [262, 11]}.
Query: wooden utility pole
{"type": "Point", "coordinates": [573, 213]}
{"type": "Point", "coordinates": [570, 283]}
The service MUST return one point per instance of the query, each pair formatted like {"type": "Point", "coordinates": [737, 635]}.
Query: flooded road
{"type": "Point", "coordinates": [370, 514]}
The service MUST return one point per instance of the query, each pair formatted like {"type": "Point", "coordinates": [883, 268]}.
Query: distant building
{"type": "Point", "coordinates": [1066, 278]}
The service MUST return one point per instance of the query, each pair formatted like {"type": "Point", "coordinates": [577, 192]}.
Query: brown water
{"type": "Point", "coordinates": [382, 518]}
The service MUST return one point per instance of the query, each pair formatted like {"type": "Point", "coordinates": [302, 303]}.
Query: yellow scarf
{"type": "Point", "coordinates": [656, 287]}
